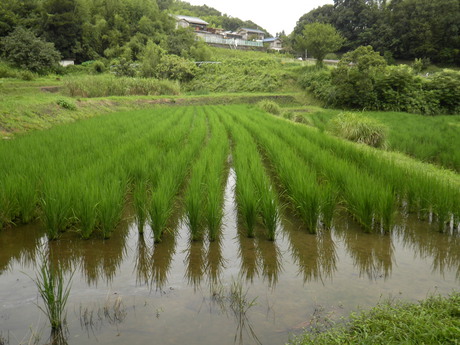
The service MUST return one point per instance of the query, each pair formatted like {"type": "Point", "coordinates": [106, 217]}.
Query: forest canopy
{"type": "Point", "coordinates": [403, 29]}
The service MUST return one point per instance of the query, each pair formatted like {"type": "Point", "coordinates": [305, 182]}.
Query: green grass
{"type": "Point", "coordinates": [435, 320]}
{"type": "Point", "coordinates": [428, 138]}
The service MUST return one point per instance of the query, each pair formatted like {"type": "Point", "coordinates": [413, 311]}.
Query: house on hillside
{"type": "Point", "coordinates": [191, 22]}
{"type": "Point", "coordinates": [251, 34]}
{"type": "Point", "coordinates": [273, 43]}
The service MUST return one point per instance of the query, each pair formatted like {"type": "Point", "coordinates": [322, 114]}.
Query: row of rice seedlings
{"type": "Point", "coordinates": [216, 172]}
{"type": "Point", "coordinates": [418, 190]}
{"type": "Point", "coordinates": [194, 200]}
{"type": "Point", "coordinates": [205, 192]}
{"type": "Point", "coordinates": [172, 178]}
{"type": "Point", "coordinates": [298, 181]}
{"type": "Point", "coordinates": [255, 195]}
{"type": "Point", "coordinates": [144, 160]}
{"type": "Point", "coordinates": [364, 203]}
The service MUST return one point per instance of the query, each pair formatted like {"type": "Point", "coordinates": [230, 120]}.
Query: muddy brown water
{"type": "Point", "coordinates": [233, 291]}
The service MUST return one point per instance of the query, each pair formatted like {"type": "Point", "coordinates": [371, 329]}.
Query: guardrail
{"type": "Point", "coordinates": [234, 42]}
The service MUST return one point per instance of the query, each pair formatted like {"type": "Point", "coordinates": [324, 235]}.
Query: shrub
{"type": "Point", "coordinates": [176, 68]}
{"type": "Point", "coordinates": [66, 104]}
{"type": "Point", "coordinates": [24, 50]}
{"type": "Point", "coordinates": [331, 56]}
{"type": "Point", "coordinates": [98, 67]}
{"type": "Point", "coordinates": [318, 82]}
{"type": "Point", "coordinates": [397, 88]}
{"type": "Point", "coordinates": [269, 106]}
{"type": "Point", "coordinates": [8, 72]}
{"type": "Point", "coordinates": [358, 128]}
{"type": "Point", "coordinates": [446, 86]}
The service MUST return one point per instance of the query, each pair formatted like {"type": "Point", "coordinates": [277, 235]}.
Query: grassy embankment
{"type": "Point", "coordinates": [435, 320]}
{"type": "Point", "coordinates": [45, 102]}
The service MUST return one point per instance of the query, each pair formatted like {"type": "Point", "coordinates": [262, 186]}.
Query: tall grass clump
{"type": "Point", "coordinates": [269, 106]}
{"type": "Point", "coordinates": [108, 85]}
{"type": "Point", "coordinates": [358, 128]}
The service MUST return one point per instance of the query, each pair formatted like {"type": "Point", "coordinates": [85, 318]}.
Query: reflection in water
{"type": "Point", "coordinates": [372, 254]}
{"type": "Point", "coordinates": [20, 245]}
{"type": "Point", "coordinates": [163, 254]}
{"type": "Point", "coordinates": [270, 260]}
{"type": "Point", "coordinates": [248, 256]}
{"type": "Point", "coordinates": [195, 263]}
{"type": "Point", "coordinates": [142, 260]}
{"type": "Point", "coordinates": [315, 255]}
{"type": "Point", "coordinates": [215, 261]}
{"type": "Point", "coordinates": [257, 263]}
{"type": "Point", "coordinates": [98, 259]}
{"type": "Point", "coordinates": [425, 241]}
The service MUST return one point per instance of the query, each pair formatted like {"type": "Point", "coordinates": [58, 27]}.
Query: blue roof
{"type": "Point", "coordinates": [271, 39]}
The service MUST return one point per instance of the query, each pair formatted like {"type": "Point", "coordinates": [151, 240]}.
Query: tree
{"type": "Point", "coordinates": [24, 50]}
{"type": "Point", "coordinates": [320, 39]}
{"type": "Point", "coordinates": [62, 25]}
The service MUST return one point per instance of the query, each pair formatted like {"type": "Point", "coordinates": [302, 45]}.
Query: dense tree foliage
{"type": "Point", "coordinates": [113, 29]}
{"type": "Point", "coordinates": [24, 50]}
{"type": "Point", "coordinates": [363, 80]}
{"type": "Point", "coordinates": [406, 29]}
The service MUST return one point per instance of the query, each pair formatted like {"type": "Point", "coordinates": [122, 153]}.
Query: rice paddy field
{"type": "Point", "coordinates": [214, 224]}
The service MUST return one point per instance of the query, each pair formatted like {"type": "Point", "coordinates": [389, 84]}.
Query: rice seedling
{"type": "Point", "coordinates": [56, 207]}
{"type": "Point", "coordinates": [214, 210]}
{"type": "Point", "coordinates": [8, 205]}
{"type": "Point", "coordinates": [27, 200]}
{"type": "Point", "coordinates": [329, 201]}
{"type": "Point", "coordinates": [161, 207]}
{"type": "Point", "coordinates": [111, 202]}
{"type": "Point", "coordinates": [54, 292]}
{"type": "Point", "coordinates": [141, 199]}
{"type": "Point", "coordinates": [193, 203]}
{"type": "Point", "coordinates": [85, 210]}
{"type": "Point", "coordinates": [248, 202]}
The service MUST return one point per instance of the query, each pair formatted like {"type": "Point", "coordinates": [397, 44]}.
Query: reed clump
{"type": "Point", "coordinates": [108, 85]}
{"type": "Point", "coordinates": [358, 128]}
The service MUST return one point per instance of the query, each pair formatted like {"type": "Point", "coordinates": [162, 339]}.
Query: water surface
{"type": "Point", "coordinates": [235, 290]}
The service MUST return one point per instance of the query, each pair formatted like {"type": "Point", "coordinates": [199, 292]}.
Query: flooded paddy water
{"type": "Point", "coordinates": [235, 290]}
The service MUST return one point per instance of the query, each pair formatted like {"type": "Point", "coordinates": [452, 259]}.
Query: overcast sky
{"type": "Point", "coordinates": [274, 16]}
